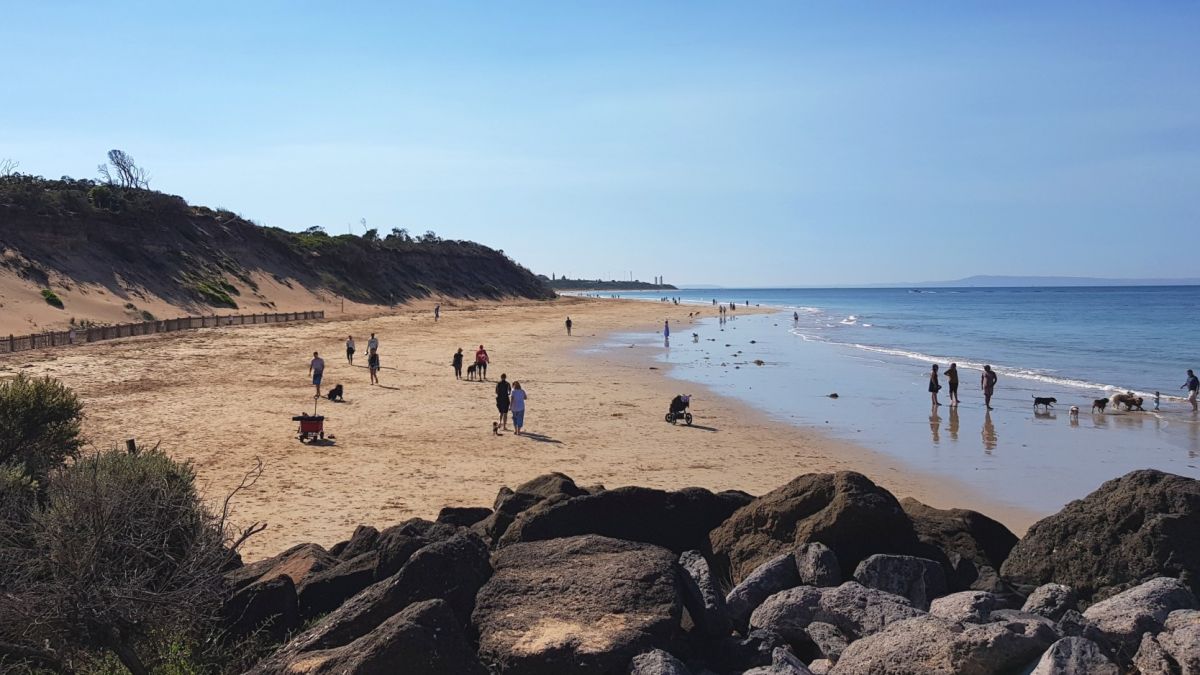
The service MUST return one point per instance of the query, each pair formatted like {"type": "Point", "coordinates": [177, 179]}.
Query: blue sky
{"type": "Point", "coordinates": [760, 143]}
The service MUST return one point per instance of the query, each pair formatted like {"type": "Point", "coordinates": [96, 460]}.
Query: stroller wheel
{"type": "Point", "coordinates": [670, 418]}
{"type": "Point", "coordinates": [687, 417]}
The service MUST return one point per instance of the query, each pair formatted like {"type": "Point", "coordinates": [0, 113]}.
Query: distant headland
{"type": "Point", "coordinates": [565, 284]}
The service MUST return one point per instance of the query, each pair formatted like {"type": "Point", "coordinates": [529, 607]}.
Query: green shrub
{"type": "Point", "coordinates": [128, 552]}
{"type": "Point", "coordinates": [52, 299]}
{"type": "Point", "coordinates": [104, 197]}
{"type": "Point", "coordinates": [39, 424]}
{"type": "Point", "coordinates": [147, 316]}
{"type": "Point", "coordinates": [214, 293]}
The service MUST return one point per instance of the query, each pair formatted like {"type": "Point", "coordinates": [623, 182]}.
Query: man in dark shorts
{"type": "Point", "coordinates": [568, 326]}
{"type": "Point", "coordinates": [1193, 388]}
{"type": "Point", "coordinates": [503, 390]}
{"type": "Point", "coordinates": [988, 381]}
{"type": "Point", "coordinates": [316, 369]}
{"type": "Point", "coordinates": [952, 381]}
{"type": "Point", "coordinates": [457, 363]}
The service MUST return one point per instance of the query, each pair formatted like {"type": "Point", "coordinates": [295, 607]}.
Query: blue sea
{"type": "Point", "coordinates": [873, 347]}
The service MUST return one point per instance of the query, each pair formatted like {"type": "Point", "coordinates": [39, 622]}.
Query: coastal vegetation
{"type": "Point", "coordinates": [565, 284]}
{"type": "Point", "coordinates": [117, 233]}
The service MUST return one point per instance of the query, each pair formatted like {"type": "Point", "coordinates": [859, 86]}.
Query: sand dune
{"type": "Point", "coordinates": [421, 440]}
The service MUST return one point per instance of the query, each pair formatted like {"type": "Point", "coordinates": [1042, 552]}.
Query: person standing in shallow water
{"type": "Point", "coordinates": [1193, 388]}
{"type": "Point", "coordinates": [933, 385]}
{"type": "Point", "coordinates": [502, 392]}
{"type": "Point", "coordinates": [952, 381]}
{"type": "Point", "coordinates": [988, 382]}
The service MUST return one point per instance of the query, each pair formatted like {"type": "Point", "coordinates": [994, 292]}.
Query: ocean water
{"type": "Point", "coordinates": [874, 348]}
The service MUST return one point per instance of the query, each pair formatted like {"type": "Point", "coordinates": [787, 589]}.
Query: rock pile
{"type": "Point", "coordinates": [828, 574]}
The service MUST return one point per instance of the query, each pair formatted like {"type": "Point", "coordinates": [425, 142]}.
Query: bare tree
{"type": "Point", "coordinates": [129, 174]}
{"type": "Point", "coordinates": [8, 166]}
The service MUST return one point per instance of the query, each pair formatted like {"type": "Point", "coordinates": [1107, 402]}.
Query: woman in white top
{"type": "Point", "coordinates": [350, 349]}
{"type": "Point", "coordinates": [517, 408]}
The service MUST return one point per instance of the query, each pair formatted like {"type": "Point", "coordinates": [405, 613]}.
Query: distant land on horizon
{"type": "Point", "coordinates": [995, 281]}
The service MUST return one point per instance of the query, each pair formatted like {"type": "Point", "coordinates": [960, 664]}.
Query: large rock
{"type": "Point", "coordinates": [783, 662]}
{"type": "Point", "coordinates": [679, 521]}
{"type": "Point", "coordinates": [985, 541]}
{"type": "Point", "coordinates": [1152, 659]}
{"type": "Point", "coordinates": [463, 516]}
{"type": "Point", "coordinates": [1132, 529]}
{"type": "Point", "coordinates": [928, 644]}
{"type": "Point", "coordinates": [585, 604]}
{"type": "Point", "coordinates": [424, 638]}
{"type": "Point", "coordinates": [776, 574]}
{"type": "Point", "coordinates": [1124, 617]}
{"type": "Point", "coordinates": [362, 541]}
{"type": "Point", "coordinates": [398, 543]}
{"type": "Point", "coordinates": [1181, 640]}
{"type": "Point", "coordinates": [964, 606]}
{"type": "Point", "coordinates": [1075, 656]}
{"type": "Point", "coordinates": [917, 579]}
{"type": "Point", "coordinates": [817, 565]}
{"type": "Point", "coordinates": [511, 503]}
{"type": "Point", "coordinates": [268, 606]}
{"type": "Point", "coordinates": [736, 655]}
{"type": "Point", "coordinates": [845, 511]}
{"type": "Point", "coordinates": [657, 662]}
{"type": "Point", "coordinates": [325, 591]}
{"type": "Point", "coordinates": [852, 608]}
{"type": "Point", "coordinates": [828, 640]}
{"type": "Point", "coordinates": [297, 562]}
{"type": "Point", "coordinates": [702, 597]}
{"type": "Point", "coordinates": [452, 570]}
{"type": "Point", "coordinates": [1051, 601]}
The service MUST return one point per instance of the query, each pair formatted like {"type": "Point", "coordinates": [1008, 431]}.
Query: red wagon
{"type": "Point", "coordinates": [311, 427]}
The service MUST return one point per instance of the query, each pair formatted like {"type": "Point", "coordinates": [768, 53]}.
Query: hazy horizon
{"type": "Point", "coordinates": [765, 145]}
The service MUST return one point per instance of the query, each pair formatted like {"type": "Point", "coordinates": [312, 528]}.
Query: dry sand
{"type": "Point", "coordinates": [421, 440]}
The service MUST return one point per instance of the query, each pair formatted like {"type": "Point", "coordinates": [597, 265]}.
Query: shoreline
{"type": "Point", "coordinates": [224, 396]}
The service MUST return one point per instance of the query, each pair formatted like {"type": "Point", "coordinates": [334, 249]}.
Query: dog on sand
{"type": "Point", "coordinates": [471, 372]}
{"type": "Point", "coordinates": [1046, 402]}
{"type": "Point", "coordinates": [495, 428]}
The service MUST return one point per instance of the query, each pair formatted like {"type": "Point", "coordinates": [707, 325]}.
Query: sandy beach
{"type": "Point", "coordinates": [421, 440]}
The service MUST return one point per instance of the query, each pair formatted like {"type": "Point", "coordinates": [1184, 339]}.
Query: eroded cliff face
{"type": "Point", "coordinates": [159, 248]}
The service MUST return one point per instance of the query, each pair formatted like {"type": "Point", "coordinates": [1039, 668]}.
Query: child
{"type": "Point", "coordinates": [373, 365]}
{"type": "Point", "coordinates": [1157, 398]}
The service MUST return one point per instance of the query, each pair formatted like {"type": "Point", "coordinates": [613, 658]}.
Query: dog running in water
{"type": "Point", "coordinates": [1099, 404]}
{"type": "Point", "coordinates": [1046, 402]}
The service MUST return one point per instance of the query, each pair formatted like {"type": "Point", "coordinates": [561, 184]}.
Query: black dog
{"type": "Point", "coordinates": [471, 372]}
{"type": "Point", "coordinates": [1100, 403]}
{"type": "Point", "coordinates": [1045, 401]}
{"type": "Point", "coordinates": [335, 394]}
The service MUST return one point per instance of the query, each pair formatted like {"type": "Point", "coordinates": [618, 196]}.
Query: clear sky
{"type": "Point", "coordinates": [747, 143]}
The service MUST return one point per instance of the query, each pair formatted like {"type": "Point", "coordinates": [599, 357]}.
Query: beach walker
{"type": "Point", "coordinates": [312, 426]}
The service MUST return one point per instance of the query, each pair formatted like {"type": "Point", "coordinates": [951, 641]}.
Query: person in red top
{"type": "Point", "coordinates": [481, 362]}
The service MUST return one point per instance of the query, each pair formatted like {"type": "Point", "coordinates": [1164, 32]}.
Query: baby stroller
{"type": "Point", "coordinates": [679, 409]}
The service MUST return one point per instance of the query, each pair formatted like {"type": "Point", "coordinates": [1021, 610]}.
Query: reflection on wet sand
{"type": "Point", "coordinates": [954, 423]}
{"type": "Point", "coordinates": [935, 424]}
{"type": "Point", "coordinates": [989, 433]}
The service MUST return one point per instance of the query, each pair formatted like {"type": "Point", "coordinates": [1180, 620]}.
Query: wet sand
{"type": "Point", "coordinates": [223, 398]}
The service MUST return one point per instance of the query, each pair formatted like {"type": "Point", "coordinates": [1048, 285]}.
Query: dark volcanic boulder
{"type": "Point", "coordinates": [463, 516]}
{"type": "Point", "coordinates": [918, 579]}
{"type": "Point", "coordinates": [964, 606]}
{"type": "Point", "coordinates": [424, 638]}
{"type": "Point", "coordinates": [1123, 618]}
{"type": "Point", "coordinates": [452, 570]}
{"type": "Point", "coordinates": [270, 606]}
{"type": "Point", "coordinates": [511, 503]}
{"type": "Point", "coordinates": [398, 543]}
{"type": "Point", "coordinates": [775, 575]}
{"type": "Point", "coordinates": [1051, 601]}
{"type": "Point", "coordinates": [585, 604]}
{"type": "Point", "coordinates": [817, 565]}
{"type": "Point", "coordinates": [969, 533]}
{"type": "Point", "coordinates": [1075, 656]}
{"type": "Point", "coordinates": [845, 511]}
{"type": "Point", "coordinates": [298, 562]}
{"type": "Point", "coordinates": [325, 591]}
{"type": "Point", "coordinates": [855, 610]}
{"type": "Point", "coordinates": [1134, 528]}
{"type": "Point", "coordinates": [362, 541]}
{"type": "Point", "coordinates": [928, 644]}
{"type": "Point", "coordinates": [679, 521]}
{"type": "Point", "coordinates": [702, 597]}
{"type": "Point", "coordinates": [657, 662]}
